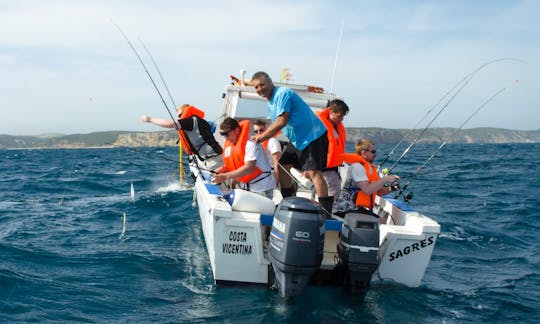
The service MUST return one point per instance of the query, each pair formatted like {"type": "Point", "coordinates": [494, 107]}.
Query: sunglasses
{"type": "Point", "coordinates": [225, 133]}
{"type": "Point", "coordinates": [372, 151]}
{"type": "Point", "coordinates": [258, 131]}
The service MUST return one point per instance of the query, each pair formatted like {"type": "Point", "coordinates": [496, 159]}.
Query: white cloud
{"type": "Point", "coordinates": [397, 58]}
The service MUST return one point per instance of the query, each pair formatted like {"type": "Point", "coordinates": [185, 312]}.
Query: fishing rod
{"type": "Point", "coordinates": [401, 189]}
{"type": "Point", "coordinates": [426, 128]}
{"type": "Point", "coordinates": [148, 73]}
{"type": "Point", "coordinates": [159, 73]}
{"type": "Point", "coordinates": [465, 80]}
{"type": "Point", "coordinates": [180, 149]}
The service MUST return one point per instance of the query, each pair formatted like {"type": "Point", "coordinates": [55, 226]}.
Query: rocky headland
{"type": "Point", "coordinates": [169, 138]}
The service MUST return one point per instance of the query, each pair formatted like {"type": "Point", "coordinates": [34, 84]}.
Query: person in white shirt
{"type": "Point", "coordinates": [244, 160]}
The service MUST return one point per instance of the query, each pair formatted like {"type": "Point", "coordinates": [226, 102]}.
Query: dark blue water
{"type": "Point", "coordinates": [63, 258]}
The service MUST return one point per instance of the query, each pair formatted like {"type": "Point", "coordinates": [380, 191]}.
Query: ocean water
{"type": "Point", "coordinates": [65, 255]}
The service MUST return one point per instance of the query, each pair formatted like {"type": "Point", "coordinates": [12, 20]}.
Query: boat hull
{"type": "Point", "coordinates": [237, 241]}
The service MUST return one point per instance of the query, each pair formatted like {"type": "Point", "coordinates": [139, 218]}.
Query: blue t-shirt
{"type": "Point", "coordinates": [303, 126]}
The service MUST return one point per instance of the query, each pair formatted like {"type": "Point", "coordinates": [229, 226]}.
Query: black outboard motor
{"type": "Point", "coordinates": [296, 243]}
{"type": "Point", "coordinates": [358, 248]}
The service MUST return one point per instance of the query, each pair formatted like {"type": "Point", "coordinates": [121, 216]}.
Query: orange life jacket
{"type": "Point", "coordinates": [189, 111]}
{"type": "Point", "coordinates": [363, 199]}
{"type": "Point", "coordinates": [265, 143]}
{"type": "Point", "coordinates": [336, 144]}
{"type": "Point", "coordinates": [233, 154]}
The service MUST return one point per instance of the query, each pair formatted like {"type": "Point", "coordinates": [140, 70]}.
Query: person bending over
{"type": "Point", "coordinates": [304, 130]}
{"type": "Point", "coordinates": [194, 133]}
{"type": "Point", "coordinates": [244, 160]}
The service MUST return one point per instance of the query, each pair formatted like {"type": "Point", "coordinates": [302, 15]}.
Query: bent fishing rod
{"type": "Point", "coordinates": [463, 81]}
{"type": "Point", "coordinates": [401, 189]}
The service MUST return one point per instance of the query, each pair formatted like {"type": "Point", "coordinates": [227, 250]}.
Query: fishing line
{"type": "Point", "coordinates": [401, 189]}
{"type": "Point", "coordinates": [153, 155]}
{"type": "Point", "coordinates": [440, 170]}
{"type": "Point", "coordinates": [61, 202]}
{"type": "Point", "coordinates": [464, 81]}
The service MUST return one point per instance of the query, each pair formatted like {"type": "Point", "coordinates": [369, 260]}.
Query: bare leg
{"type": "Point", "coordinates": [318, 181]}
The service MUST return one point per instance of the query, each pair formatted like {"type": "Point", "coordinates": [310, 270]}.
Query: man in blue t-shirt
{"type": "Point", "coordinates": [302, 127]}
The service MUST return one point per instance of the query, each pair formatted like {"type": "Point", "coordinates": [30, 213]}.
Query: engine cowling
{"type": "Point", "coordinates": [296, 243]}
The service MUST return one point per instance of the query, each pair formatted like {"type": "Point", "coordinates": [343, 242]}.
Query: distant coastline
{"type": "Point", "coordinates": [169, 138]}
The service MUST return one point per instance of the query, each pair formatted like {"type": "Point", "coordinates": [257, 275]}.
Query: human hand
{"type": "Point", "coordinates": [219, 178]}
{"type": "Point", "coordinates": [145, 118]}
{"type": "Point", "coordinates": [391, 178]}
{"type": "Point", "coordinates": [255, 138]}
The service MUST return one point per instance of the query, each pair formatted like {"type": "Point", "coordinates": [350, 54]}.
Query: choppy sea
{"type": "Point", "coordinates": [66, 256]}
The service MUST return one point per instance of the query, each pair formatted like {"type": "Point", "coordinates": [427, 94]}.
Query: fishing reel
{"type": "Point", "coordinates": [396, 187]}
{"type": "Point", "coordinates": [407, 197]}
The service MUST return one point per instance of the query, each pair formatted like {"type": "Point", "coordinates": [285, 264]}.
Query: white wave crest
{"type": "Point", "coordinates": [453, 237]}
{"type": "Point", "coordinates": [174, 187]}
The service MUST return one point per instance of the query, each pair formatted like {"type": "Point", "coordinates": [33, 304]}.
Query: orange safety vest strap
{"type": "Point", "coordinates": [336, 144]}
{"type": "Point", "coordinates": [233, 154]}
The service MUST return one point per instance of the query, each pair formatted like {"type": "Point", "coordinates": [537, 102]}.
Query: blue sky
{"type": "Point", "coordinates": [66, 69]}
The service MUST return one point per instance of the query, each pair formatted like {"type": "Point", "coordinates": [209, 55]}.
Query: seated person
{"type": "Point", "coordinates": [194, 132]}
{"type": "Point", "coordinates": [362, 183]}
{"type": "Point", "coordinates": [244, 160]}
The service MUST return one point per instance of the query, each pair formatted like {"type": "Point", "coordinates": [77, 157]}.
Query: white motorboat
{"type": "Point", "coordinates": [247, 237]}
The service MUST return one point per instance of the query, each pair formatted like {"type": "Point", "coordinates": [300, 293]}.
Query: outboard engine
{"type": "Point", "coordinates": [296, 243]}
{"type": "Point", "coordinates": [358, 248]}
